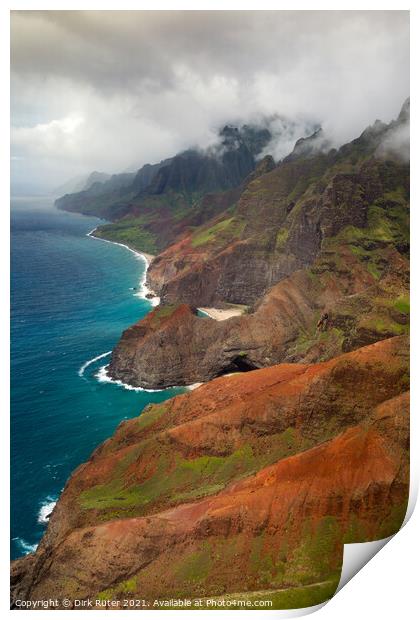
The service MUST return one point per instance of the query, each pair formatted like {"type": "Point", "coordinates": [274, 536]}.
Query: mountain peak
{"type": "Point", "coordinates": [305, 147]}
{"type": "Point", "coordinates": [266, 164]}
{"type": "Point", "coordinates": [404, 114]}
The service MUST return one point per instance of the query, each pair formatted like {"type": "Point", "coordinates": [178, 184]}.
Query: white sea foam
{"type": "Point", "coordinates": [102, 374]}
{"type": "Point", "coordinates": [89, 362]}
{"type": "Point", "coordinates": [204, 312]}
{"type": "Point", "coordinates": [46, 509]}
{"type": "Point", "coordinates": [103, 377]}
{"type": "Point", "coordinates": [144, 289]}
{"type": "Point", "coordinates": [25, 546]}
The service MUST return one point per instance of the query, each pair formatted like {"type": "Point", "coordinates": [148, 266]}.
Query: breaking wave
{"type": "Point", "coordinates": [24, 546]}
{"type": "Point", "coordinates": [46, 509]}
{"type": "Point", "coordinates": [89, 362]}
{"type": "Point", "coordinates": [103, 377]}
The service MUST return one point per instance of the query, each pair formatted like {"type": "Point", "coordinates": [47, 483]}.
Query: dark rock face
{"type": "Point", "coordinates": [278, 236]}
{"type": "Point", "coordinates": [222, 168]}
{"type": "Point", "coordinates": [193, 171]}
{"type": "Point", "coordinates": [187, 174]}
{"type": "Point", "coordinates": [198, 349]}
{"type": "Point", "coordinates": [146, 174]}
{"type": "Point", "coordinates": [239, 275]}
{"type": "Point", "coordinates": [312, 145]}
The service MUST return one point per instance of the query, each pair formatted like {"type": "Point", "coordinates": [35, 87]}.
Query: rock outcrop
{"type": "Point", "coordinates": [319, 232]}
{"type": "Point", "coordinates": [175, 346]}
{"type": "Point", "coordinates": [281, 223]}
{"type": "Point", "coordinates": [250, 483]}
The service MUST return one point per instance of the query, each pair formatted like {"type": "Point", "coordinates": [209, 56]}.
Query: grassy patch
{"type": "Point", "coordinates": [384, 225]}
{"type": "Point", "coordinates": [383, 325]}
{"type": "Point", "coordinates": [151, 415]}
{"type": "Point", "coordinates": [331, 340]}
{"type": "Point", "coordinates": [111, 495]}
{"type": "Point", "coordinates": [297, 598]}
{"type": "Point", "coordinates": [129, 232]}
{"type": "Point", "coordinates": [318, 555]}
{"type": "Point", "coordinates": [224, 230]}
{"type": "Point", "coordinates": [287, 598]}
{"type": "Point", "coordinates": [402, 304]}
{"type": "Point", "coordinates": [195, 566]}
{"type": "Point", "coordinates": [281, 238]}
{"type": "Point", "coordinates": [175, 479]}
{"type": "Point", "coordinates": [128, 586]}
{"type": "Point", "coordinates": [393, 521]}
{"type": "Point", "coordinates": [161, 313]}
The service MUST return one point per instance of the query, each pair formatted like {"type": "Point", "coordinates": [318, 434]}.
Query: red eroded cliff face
{"type": "Point", "coordinates": [282, 328]}
{"type": "Point", "coordinates": [250, 484]}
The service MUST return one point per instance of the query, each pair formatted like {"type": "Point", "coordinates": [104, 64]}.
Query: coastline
{"type": "Point", "coordinates": [148, 257]}
{"type": "Point", "coordinates": [144, 292]}
{"type": "Point", "coordinates": [99, 409]}
{"type": "Point", "coordinates": [217, 314]}
{"type": "Point", "coordinates": [103, 377]}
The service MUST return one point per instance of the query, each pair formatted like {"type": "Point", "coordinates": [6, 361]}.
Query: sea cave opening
{"type": "Point", "coordinates": [239, 363]}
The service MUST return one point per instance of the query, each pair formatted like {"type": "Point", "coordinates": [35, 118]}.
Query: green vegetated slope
{"type": "Point", "coordinates": [328, 232]}
{"type": "Point", "coordinates": [287, 215]}
{"type": "Point", "coordinates": [230, 489]}
{"type": "Point", "coordinates": [150, 206]}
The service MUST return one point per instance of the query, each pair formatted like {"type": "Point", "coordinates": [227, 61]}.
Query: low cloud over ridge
{"type": "Point", "coordinates": [112, 90]}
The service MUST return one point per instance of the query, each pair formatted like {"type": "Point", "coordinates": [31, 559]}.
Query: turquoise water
{"type": "Point", "coordinates": [71, 299]}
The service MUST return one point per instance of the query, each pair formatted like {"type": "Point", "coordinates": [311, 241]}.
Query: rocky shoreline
{"type": "Point", "coordinates": [148, 258]}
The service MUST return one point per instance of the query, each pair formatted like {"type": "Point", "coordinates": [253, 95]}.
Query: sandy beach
{"type": "Point", "coordinates": [149, 257]}
{"type": "Point", "coordinates": [194, 386]}
{"type": "Point", "coordinates": [219, 314]}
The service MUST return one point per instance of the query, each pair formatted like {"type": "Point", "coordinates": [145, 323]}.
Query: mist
{"type": "Point", "coordinates": [113, 90]}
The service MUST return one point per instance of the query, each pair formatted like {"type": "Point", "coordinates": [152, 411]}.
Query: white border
{"type": "Point", "coordinates": [387, 586]}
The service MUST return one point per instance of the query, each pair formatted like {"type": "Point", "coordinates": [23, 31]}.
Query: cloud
{"type": "Point", "coordinates": [396, 143]}
{"type": "Point", "coordinates": [112, 90]}
{"type": "Point", "coordinates": [48, 137]}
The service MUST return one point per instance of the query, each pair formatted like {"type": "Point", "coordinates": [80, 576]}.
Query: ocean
{"type": "Point", "coordinates": [72, 296]}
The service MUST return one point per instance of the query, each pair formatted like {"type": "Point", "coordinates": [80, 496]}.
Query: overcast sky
{"type": "Point", "coordinates": [112, 90]}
